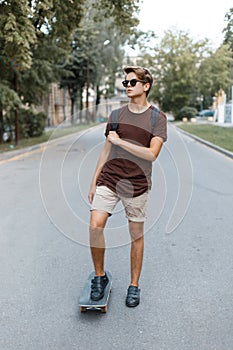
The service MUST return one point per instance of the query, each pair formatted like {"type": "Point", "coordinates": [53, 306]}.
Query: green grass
{"type": "Point", "coordinates": [218, 135]}
{"type": "Point", "coordinates": [51, 134]}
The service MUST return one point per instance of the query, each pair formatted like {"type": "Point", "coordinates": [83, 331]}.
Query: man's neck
{"type": "Point", "coordinates": [138, 106]}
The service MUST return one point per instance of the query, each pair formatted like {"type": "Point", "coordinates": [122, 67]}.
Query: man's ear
{"type": "Point", "coordinates": [146, 86]}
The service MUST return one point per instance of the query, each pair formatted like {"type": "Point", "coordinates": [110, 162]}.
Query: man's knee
{"type": "Point", "coordinates": [136, 230]}
{"type": "Point", "coordinates": [98, 220]}
{"type": "Point", "coordinates": [96, 230]}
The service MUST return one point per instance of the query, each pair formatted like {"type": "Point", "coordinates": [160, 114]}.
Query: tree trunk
{"type": "Point", "coordinates": [97, 102]}
{"type": "Point", "coordinates": [87, 92]}
{"type": "Point", "coordinates": [64, 103]}
{"type": "Point", "coordinates": [16, 112]}
{"type": "Point", "coordinates": [1, 126]}
{"type": "Point", "coordinates": [72, 110]}
{"type": "Point", "coordinates": [70, 90]}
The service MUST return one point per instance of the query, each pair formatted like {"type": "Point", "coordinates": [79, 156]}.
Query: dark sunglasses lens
{"type": "Point", "coordinates": [125, 83]}
{"type": "Point", "coordinates": [133, 82]}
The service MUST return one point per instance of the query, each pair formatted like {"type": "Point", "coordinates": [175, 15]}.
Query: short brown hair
{"type": "Point", "coordinates": [142, 74]}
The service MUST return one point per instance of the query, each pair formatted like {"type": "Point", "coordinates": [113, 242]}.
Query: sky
{"type": "Point", "coordinates": [200, 18]}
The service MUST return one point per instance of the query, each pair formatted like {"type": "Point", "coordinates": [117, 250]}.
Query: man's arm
{"type": "Point", "coordinates": [148, 153]}
{"type": "Point", "coordinates": [102, 160]}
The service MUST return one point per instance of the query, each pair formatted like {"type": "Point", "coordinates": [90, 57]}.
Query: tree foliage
{"type": "Point", "coordinates": [187, 112]}
{"type": "Point", "coordinates": [185, 69]}
{"type": "Point", "coordinates": [18, 33]}
{"type": "Point", "coordinates": [213, 73]}
{"type": "Point", "coordinates": [228, 31]}
{"type": "Point", "coordinates": [174, 66]}
{"type": "Point", "coordinates": [97, 52]}
{"type": "Point", "coordinates": [33, 37]}
{"type": "Point", "coordinates": [36, 38]}
{"type": "Point", "coordinates": [54, 23]}
{"type": "Point", "coordinates": [121, 11]}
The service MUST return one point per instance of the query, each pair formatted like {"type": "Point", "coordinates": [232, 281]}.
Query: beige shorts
{"type": "Point", "coordinates": [106, 200]}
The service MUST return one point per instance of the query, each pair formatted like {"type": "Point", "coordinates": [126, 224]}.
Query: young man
{"type": "Point", "coordinates": [123, 172]}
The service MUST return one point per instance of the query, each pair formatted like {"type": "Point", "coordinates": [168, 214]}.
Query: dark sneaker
{"type": "Point", "coordinates": [133, 296]}
{"type": "Point", "coordinates": [98, 286]}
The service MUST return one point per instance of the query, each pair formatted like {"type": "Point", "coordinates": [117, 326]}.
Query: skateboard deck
{"type": "Point", "coordinates": [85, 301]}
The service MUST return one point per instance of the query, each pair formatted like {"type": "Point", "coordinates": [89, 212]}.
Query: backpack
{"type": "Point", "coordinates": [115, 118]}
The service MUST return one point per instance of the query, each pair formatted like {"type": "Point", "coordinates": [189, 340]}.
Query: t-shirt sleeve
{"type": "Point", "coordinates": [161, 126]}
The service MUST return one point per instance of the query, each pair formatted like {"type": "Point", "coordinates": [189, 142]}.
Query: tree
{"type": "Point", "coordinates": [75, 71]}
{"type": "Point", "coordinates": [175, 68]}
{"type": "Point", "coordinates": [121, 11]}
{"type": "Point", "coordinates": [213, 74]}
{"type": "Point", "coordinates": [54, 22]}
{"type": "Point", "coordinates": [36, 37]}
{"type": "Point", "coordinates": [58, 21]}
{"type": "Point", "coordinates": [228, 30]}
{"type": "Point", "coordinates": [16, 36]}
{"type": "Point", "coordinates": [228, 39]}
{"type": "Point", "coordinates": [97, 51]}
{"type": "Point", "coordinates": [29, 32]}
{"type": "Point", "coordinates": [17, 33]}
{"type": "Point", "coordinates": [95, 57]}
{"type": "Point", "coordinates": [187, 73]}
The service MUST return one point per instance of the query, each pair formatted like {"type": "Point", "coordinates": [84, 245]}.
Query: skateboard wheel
{"type": "Point", "coordinates": [83, 309]}
{"type": "Point", "coordinates": [104, 309]}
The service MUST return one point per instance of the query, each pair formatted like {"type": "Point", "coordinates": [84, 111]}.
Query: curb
{"type": "Point", "coordinates": [207, 143]}
{"type": "Point", "coordinates": [12, 154]}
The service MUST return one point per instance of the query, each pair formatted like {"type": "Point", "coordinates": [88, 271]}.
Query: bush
{"type": "Point", "coordinates": [31, 124]}
{"type": "Point", "coordinates": [187, 112]}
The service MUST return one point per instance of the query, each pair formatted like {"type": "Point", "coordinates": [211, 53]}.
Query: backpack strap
{"type": "Point", "coordinates": [154, 117]}
{"type": "Point", "coordinates": [115, 118]}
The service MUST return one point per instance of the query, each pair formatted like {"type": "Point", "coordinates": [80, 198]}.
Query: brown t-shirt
{"type": "Point", "coordinates": [123, 172]}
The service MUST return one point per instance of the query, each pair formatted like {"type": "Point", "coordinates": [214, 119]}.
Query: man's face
{"type": "Point", "coordinates": [138, 90]}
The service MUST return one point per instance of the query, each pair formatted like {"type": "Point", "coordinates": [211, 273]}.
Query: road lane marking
{"type": "Point", "coordinates": [23, 155]}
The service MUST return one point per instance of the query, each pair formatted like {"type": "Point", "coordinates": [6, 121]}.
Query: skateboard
{"type": "Point", "coordinates": [85, 301]}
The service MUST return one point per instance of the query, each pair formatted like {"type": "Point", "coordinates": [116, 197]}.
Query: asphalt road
{"type": "Point", "coordinates": [186, 283]}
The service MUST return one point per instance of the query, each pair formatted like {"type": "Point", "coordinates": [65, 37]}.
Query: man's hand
{"type": "Point", "coordinates": [91, 193]}
{"type": "Point", "coordinates": [114, 138]}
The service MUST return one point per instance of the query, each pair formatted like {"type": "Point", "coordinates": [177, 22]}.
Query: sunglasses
{"type": "Point", "coordinates": [132, 82]}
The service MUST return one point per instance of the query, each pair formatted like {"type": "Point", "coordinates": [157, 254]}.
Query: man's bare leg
{"type": "Point", "coordinates": [97, 242]}
{"type": "Point", "coordinates": [136, 230]}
